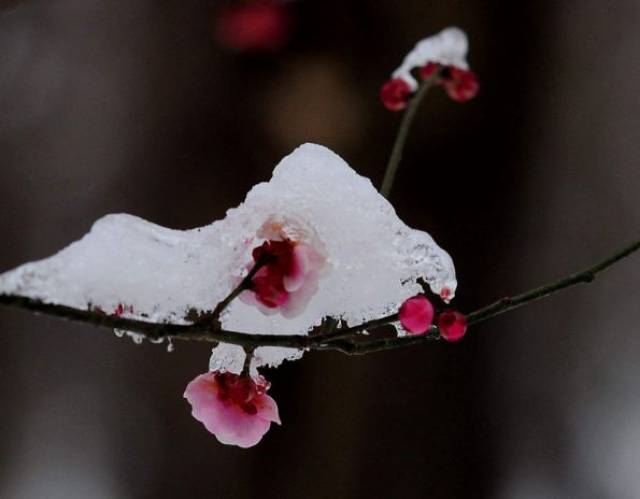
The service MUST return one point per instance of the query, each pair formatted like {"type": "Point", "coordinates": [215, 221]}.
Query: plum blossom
{"type": "Point", "coordinates": [289, 278]}
{"type": "Point", "coordinates": [416, 315]}
{"type": "Point", "coordinates": [235, 408]}
{"type": "Point", "coordinates": [254, 26]}
{"type": "Point", "coordinates": [452, 325]}
{"type": "Point", "coordinates": [443, 55]}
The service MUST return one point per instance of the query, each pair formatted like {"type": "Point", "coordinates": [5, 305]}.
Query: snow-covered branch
{"type": "Point", "coordinates": [349, 340]}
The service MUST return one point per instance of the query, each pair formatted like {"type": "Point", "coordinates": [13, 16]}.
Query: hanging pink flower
{"type": "Point", "coordinates": [290, 277]}
{"type": "Point", "coordinates": [235, 408]}
{"type": "Point", "coordinates": [416, 315]}
{"type": "Point", "coordinates": [255, 25]}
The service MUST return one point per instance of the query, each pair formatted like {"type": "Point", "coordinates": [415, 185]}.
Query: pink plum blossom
{"type": "Point", "coordinates": [289, 278]}
{"type": "Point", "coordinates": [452, 325]}
{"type": "Point", "coordinates": [416, 315]}
{"type": "Point", "coordinates": [235, 408]}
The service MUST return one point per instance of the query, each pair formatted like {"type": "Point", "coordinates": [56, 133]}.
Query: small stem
{"type": "Point", "coordinates": [403, 133]}
{"type": "Point", "coordinates": [248, 357]}
{"type": "Point", "coordinates": [349, 347]}
{"type": "Point", "coordinates": [347, 332]}
{"type": "Point", "coordinates": [245, 284]}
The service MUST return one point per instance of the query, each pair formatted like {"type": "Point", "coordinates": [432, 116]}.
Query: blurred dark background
{"type": "Point", "coordinates": [138, 107]}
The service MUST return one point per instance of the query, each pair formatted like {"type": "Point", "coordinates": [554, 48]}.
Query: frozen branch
{"type": "Point", "coordinates": [348, 339]}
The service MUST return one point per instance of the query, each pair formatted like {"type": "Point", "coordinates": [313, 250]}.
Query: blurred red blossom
{"type": "Point", "coordinates": [254, 25]}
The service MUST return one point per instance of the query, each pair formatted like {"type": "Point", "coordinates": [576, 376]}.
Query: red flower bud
{"type": "Point", "coordinates": [416, 315]}
{"type": "Point", "coordinates": [452, 325]}
{"type": "Point", "coordinates": [460, 84]}
{"type": "Point", "coordinates": [395, 93]}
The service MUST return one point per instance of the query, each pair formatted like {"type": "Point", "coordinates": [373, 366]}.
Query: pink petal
{"type": "Point", "coordinates": [232, 426]}
{"type": "Point", "coordinates": [268, 409]}
{"type": "Point", "coordinates": [299, 267]}
{"type": "Point", "coordinates": [227, 421]}
{"type": "Point", "coordinates": [299, 300]}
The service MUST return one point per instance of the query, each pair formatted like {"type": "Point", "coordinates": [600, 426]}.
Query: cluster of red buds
{"type": "Point", "coordinates": [460, 85]}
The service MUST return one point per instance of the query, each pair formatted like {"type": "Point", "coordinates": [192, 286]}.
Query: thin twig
{"type": "Point", "coordinates": [403, 133]}
{"type": "Point", "coordinates": [586, 276]}
{"type": "Point", "coordinates": [348, 332]}
{"type": "Point", "coordinates": [245, 284]}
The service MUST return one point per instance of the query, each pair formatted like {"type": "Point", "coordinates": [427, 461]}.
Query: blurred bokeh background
{"type": "Point", "coordinates": [156, 109]}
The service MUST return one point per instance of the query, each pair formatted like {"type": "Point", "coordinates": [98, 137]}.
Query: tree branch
{"type": "Point", "coordinates": [155, 331]}
{"type": "Point", "coordinates": [499, 307]}
{"type": "Point", "coordinates": [348, 340]}
{"type": "Point", "coordinates": [583, 277]}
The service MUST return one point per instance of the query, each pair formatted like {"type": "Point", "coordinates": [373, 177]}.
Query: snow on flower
{"type": "Point", "coordinates": [447, 48]}
{"type": "Point", "coordinates": [445, 52]}
{"type": "Point", "coordinates": [235, 408]}
{"type": "Point", "coordinates": [358, 260]}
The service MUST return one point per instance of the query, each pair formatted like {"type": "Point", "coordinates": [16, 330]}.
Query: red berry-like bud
{"type": "Point", "coordinates": [416, 315]}
{"type": "Point", "coordinates": [428, 70]}
{"type": "Point", "coordinates": [461, 85]}
{"type": "Point", "coordinates": [452, 325]}
{"type": "Point", "coordinates": [395, 93]}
